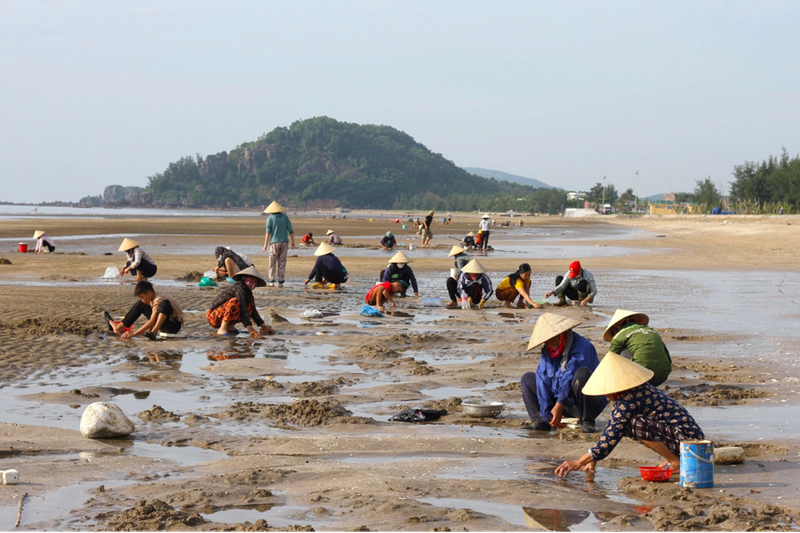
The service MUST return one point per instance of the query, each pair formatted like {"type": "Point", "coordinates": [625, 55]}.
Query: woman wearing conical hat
{"type": "Point", "coordinates": [474, 286]}
{"type": "Point", "coordinates": [327, 268]}
{"type": "Point", "coordinates": [641, 411]}
{"type": "Point", "coordinates": [333, 238]}
{"type": "Point", "coordinates": [279, 233]}
{"type": "Point", "coordinates": [388, 241]}
{"type": "Point", "coordinates": [460, 260]}
{"type": "Point", "coordinates": [139, 264]}
{"type": "Point", "coordinates": [44, 244]}
{"type": "Point", "coordinates": [629, 331]}
{"type": "Point", "coordinates": [468, 242]}
{"type": "Point", "coordinates": [398, 270]}
{"type": "Point", "coordinates": [235, 303]}
{"type": "Point", "coordinates": [555, 389]}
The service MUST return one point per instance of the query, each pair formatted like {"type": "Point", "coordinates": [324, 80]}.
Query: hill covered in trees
{"type": "Point", "coordinates": [324, 163]}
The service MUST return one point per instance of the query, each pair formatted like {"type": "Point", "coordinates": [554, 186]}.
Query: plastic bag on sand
{"type": "Point", "coordinates": [368, 310]}
{"type": "Point", "coordinates": [111, 272]}
{"type": "Point", "coordinates": [312, 313]}
{"type": "Point", "coordinates": [418, 415]}
{"type": "Point", "coordinates": [210, 274]}
{"type": "Point", "coordinates": [207, 282]}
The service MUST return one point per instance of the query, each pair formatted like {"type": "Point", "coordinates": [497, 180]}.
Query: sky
{"type": "Point", "coordinates": [94, 93]}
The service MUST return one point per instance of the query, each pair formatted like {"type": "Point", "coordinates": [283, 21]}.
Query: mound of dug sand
{"type": "Point", "coordinates": [4, 261]}
{"type": "Point", "coordinates": [159, 414]}
{"type": "Point", "coordinates": [371, 351]}
{"type": "Point", "coordinates": [276, 318]}
{"type": "Point", "coordinates": [37, 327]}
{"type": "Point", "coordinates": [152, 515]}
{"type": "Point", "coordinates": [416, 338]}
{"type": "Point", "coordinates": [300, 413]}
{"type": "Point", "coordinates": [258, 384]}
{"type": "Point", "coordinates": [316, 388]}
{"type": "Point", "coordinates": [705, 394]}
{"type": "Point", "coordinates": [193, 276]}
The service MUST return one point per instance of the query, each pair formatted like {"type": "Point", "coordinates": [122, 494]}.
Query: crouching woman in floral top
{"type": "Point", "coordinates": [235, 304]}
{"type": "Point", "coordinates": [641, 412]}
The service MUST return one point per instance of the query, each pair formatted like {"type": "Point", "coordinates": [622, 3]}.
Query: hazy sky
{"type": "Point", "coordinates": [102, 92]}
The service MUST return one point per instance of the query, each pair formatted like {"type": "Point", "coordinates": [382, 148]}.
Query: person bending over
{"type": "Point", "coordinates": [229, 262]}
{"type": "Point", "coordinates": [474, 286]}
{"type": "Point", "coordinates": [162, 313]}
{"type": "Point", "coordinates": [327, 268]}
{"type": "Point", "coordinates": [577, 284]}
{"type": "Point", "coordinates": [236, 303]}
{"type": "Point", "coordinates": [517, 284]}
{"type": "Point", "coordinates": [382, 293]}
{"type": "Point", "coordinates": [139, 264]}
{"type": "Point", "coordinates": [398, 270]}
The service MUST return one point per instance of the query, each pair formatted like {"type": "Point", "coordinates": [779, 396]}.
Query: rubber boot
{"type": "Point", "coordinates": [562, 300]}
{"type": "Point", "coordinates": [582, 296]}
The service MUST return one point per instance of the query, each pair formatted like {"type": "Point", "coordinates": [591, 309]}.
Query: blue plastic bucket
{"type": "Point", "coordinates": [697, 464]}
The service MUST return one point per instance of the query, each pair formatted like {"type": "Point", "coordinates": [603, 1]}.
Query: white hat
{"type": "Point", "coordinates": [274, 207]}
{"type": "Point", "coordinates": [620, 315]}
{"type": "Point", "coordinates": [474, 267]}
{"type": "Point", "coordinates": [38, 233]}
{"type": "Point", "coordinates": [127, 244]}
{"type": "Point", "coordinates": [330, 232]}
{"type": "Point", "coordinates": [484, 216]}
{"type": "Point", "coordinates": [616, 374]}
{"type": "Point", "coordinates": [400, 257]}
{"type": "Point", "coordinates": [550, 325]}
{"type": "Point", "coordinates": [253, 272]}
{"type": "Point", "coordinates": [324, 249]}
{"type": "Point", "coordinates": [455, 250]}
{"type": "Point", "coordinates": [470, 234]}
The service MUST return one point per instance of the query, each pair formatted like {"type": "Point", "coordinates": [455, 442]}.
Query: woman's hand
{"type": "Point", "coordinates": [267, 330]}
{"type": "Point", "coordinates": [568, 466]}
{"type": "Point", "coordinates": [254, 334]}
{"type": "Point", "coordinates": [548, 294]}
{"type": "Point", "coordinates": [126, 335]}
{"type": "Point", "coordinates": [584, 302]}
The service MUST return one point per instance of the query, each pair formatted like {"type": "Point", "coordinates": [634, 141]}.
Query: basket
{"type": "Point", "coordinates": [491, 409]}
{"type": "Point", "coordinates": [655, 473]}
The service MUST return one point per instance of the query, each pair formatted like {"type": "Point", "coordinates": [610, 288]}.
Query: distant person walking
{"type": "Point", "coordinates": [427, 234]}
{"type": "Point", "coordinates": [279, 233]}
{"type": "Point", "coordinates": [484, 226]}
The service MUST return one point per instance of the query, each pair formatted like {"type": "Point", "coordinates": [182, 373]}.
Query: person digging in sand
{"type": "Point", "coordinates": [474, 286]}
{"type": "Point", "coordinates": [388, 241]}
{"type": "Point", "coordinates": [517, 284]}
{"type": "Point", "coordinates": [308, 240]}
{"type": "Point", "coordinates": [229, 262]}
{"type": "Point", "coordinates": [398, 270]}
{"type": "Point", "coordinates": [333, 238]}
{"type": "Point", "coordinates": [566, 362]}
{"type": "Point", "coordinates": [460, 260]}
{"type": "Point", "coordinates": [139, 264]}
{"type": "Point", "coordinates": [162, 313]}
{"type": "Point", "coordinates": [577, 284]}
{"type": "Point", "coordinates": [44, 244]}
{"type": "Point", "coordinates": [327, 269]}
{"type": "Point", "coordinates": [628, 331]}
{"type": "Point", "coordinates": [641, 411]}
{"type": "Point", "coordinates": [382, 293]}
{"type": "Point", "coordinates": [235, 303]}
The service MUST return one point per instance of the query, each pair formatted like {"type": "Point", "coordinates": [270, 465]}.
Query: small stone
{"type": "Point", "coordinates": [103, 420]}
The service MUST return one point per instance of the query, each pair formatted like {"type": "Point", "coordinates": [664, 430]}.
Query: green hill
{"type": "Point", "coordinates": [505, 176]}
{"type": "Point", "coordinates": [321, 162]}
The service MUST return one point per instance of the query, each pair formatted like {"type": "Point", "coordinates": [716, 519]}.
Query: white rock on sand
{"type": "Point", "coordinates": [103, 420]}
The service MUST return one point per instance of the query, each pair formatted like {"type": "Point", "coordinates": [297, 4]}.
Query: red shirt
{"type": "Point", "coordinates": [386, 285]}
{"type": "Point", "coordinates": [306, 238]}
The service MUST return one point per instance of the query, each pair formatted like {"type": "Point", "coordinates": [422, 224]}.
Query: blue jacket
{"type": "Point", "coordinates": [554, 385]}
{"type": "Point", "coordinates": [392, 273]}
{"type": "Point", "coordinates": [330, 261]}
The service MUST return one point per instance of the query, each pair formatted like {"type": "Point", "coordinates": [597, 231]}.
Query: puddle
{"type": "Point", "coordinates": [276, 515]}
{"type": "Point", "coordinates": [565, 519]}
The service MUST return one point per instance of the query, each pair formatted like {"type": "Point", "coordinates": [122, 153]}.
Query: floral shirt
{"type": "Point", "coordinates": [649, 402]}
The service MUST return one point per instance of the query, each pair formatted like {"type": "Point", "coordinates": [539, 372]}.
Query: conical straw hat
{"type": "Point", "coordinates": [274, 207]}
{"type": "Point", "coordinates": [455, 250]}
{"type": "Point", "coordinates": [620, 315]}
{"type": "Point", "coordinates": [471, 234]}
{"type": "Point", "coordinates": [38, 233]}
{"type": "Point", "coordinates": [324, 249]}
{"type": "Point", "coordinates": [251, 271]}
{"type": "Point", "coordinates": [474, 267]}
{"type": "Point", "coordinates": [616, 374]}
{"type": "Point", "coordinates": [330, 232]}
{"type": "Point", "coordinates": [400, 257]}
{"type": "Point", "coordinates": [485, 216]}
{"type": "Point", "coordinates": [550, 325]}
{"type": "Point", "coordinates": [127, 244]}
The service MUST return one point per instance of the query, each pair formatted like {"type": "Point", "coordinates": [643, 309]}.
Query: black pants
{"type": "Point", "coordinates": [139, 309]}
{"type": "Point", "coordinates": [583, 406]}
{"type": "Point", "coordinates": [452, 289]}
{"type": "Point", "coordinates": [332, 276]}
{"type": "Point", "coordinates": [484, 240]}
{"type": "Point", "coordinates": [474, 292]}
{"type": "Point", "coordinates": [147, 268]}
{"type": "Point", "coordinates": [571, 292]}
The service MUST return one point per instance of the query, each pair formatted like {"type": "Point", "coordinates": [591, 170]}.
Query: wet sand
{"type": "Point", "coordinates": [292, 431]}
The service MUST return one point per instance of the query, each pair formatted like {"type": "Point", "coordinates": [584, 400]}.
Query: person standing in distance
{"type": "Point", "coordinates": [484, 226]}
{"type": "Point", "coordinates": [279, 233]}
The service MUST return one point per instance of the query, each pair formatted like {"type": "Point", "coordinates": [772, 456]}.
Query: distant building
{"type": "Point", "coordinates": [669, 197]}
{"type": "Point", "coordinates": [576, 195]}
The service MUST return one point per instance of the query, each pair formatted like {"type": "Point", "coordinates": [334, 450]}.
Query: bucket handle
{"type": "Point", "coordinates": [702, 459]}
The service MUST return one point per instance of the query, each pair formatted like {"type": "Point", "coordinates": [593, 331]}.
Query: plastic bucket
{"type": "Point", "coordinates": [410, 247]}
{"type": "Point", "coordinates": [23, 247]}
{"type": "Point", "coordinates": [697, 464]}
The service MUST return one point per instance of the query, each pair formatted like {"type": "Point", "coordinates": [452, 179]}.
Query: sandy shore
{"type": "Point", "coordinates": [292, 432]}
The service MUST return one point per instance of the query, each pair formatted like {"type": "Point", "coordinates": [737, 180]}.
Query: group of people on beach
{"type": "Point", "coordinates": [570, 381]}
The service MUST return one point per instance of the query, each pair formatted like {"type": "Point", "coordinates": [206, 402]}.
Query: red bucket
{"type": "Point", "coordinates": [23, 247]}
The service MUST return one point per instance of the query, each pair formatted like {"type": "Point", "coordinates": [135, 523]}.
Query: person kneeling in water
{"type": "Point", "coordinates": [162, 312]}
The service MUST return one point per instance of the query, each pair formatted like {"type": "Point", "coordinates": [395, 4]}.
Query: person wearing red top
{"type": "Point", "coordinates": [308, 240]}
{"type": "Point", "coordinates": [382, 292]}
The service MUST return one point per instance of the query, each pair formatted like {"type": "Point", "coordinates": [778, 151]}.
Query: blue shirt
{"type": "Point", "coordinates": [330, 261]}
{"type": "Point", "coordinates": [554, 383]}
{"type": "Point", "coordinates": [392, 273]}
{"type": "Point", "coordinates": [279, 228]}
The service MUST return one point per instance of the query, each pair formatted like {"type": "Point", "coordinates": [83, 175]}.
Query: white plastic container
{"type": "Point", "coordinates": [10, 477]}
{"type": "Point", "coordinates": [454, 273]}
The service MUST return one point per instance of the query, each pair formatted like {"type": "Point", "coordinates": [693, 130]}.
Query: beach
{"type": "Point", "coordinates": [292, 431]}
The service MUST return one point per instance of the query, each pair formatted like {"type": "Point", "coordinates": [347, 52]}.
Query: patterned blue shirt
{"type": "Point", "coordinates": [650, 402]}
